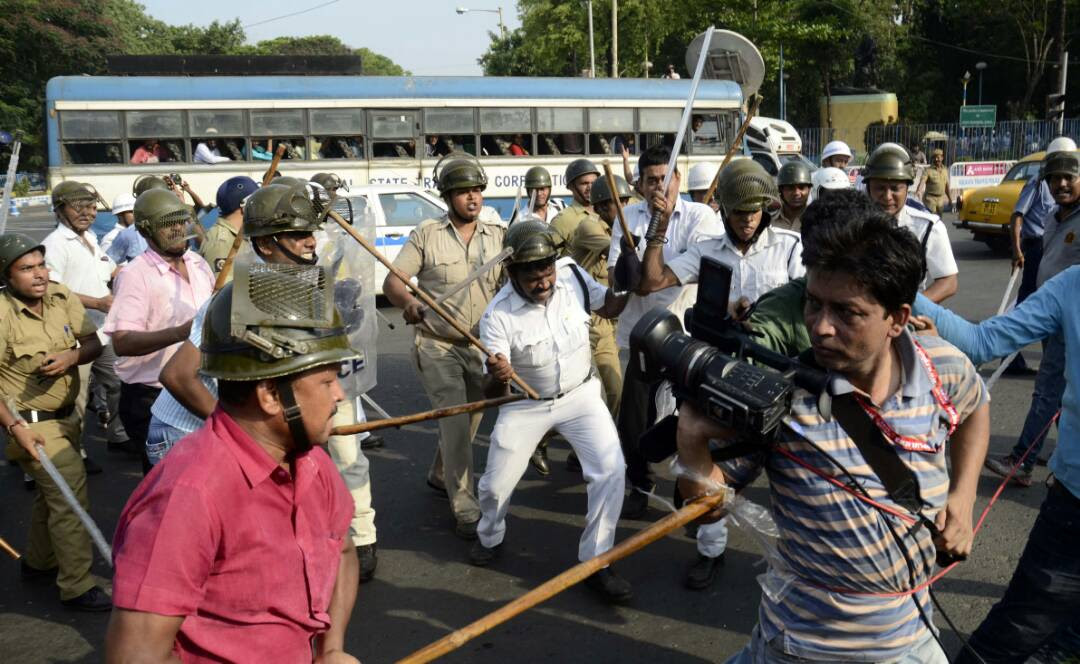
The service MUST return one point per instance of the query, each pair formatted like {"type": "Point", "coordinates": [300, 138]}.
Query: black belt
{"type": "Point", "coordinates": [32, 416]}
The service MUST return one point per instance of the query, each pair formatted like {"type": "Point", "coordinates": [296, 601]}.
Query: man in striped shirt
{"type": "Point", "coordinates": [848, 579]}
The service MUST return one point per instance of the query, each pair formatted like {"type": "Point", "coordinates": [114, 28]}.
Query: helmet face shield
{"type": "Point", "coordinates": [171, 231]}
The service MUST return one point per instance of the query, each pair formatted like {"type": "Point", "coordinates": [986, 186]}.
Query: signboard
{"type": "Point", "coordinates": [968, 174]}
{"type": "Point", "coordinates": [978, 116]}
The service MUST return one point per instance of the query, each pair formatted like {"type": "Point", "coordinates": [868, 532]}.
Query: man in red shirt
{"type": "Point", "coordinates": [235, 547]}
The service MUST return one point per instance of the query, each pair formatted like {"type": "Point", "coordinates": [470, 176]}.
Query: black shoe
{"type": "Point", "coordinates": [466, 530]}
{"type": "Point", "coordinates": [539, 461]}
{"type": "Point", "coordinates": [32, 573]}
{"type": "Point", "coordinates": [93, 600]}
{"type": "Point", "coordinates": [482, 556]}
{"type": "Point", "coordinates": [1021, 370]}
{"type": "Point", "coordinates": [612, 587]}
{"type": "Point", "coordinates": [636, 504]}
{"type": "Point", "coordinates": [372, 442]}
{"type": "Point", "coordinates": [368, 561]}
{"type": "Point", "coordinates": [29, 483]}
{"type": "Point", "coordinates": [703, 572]}
{"type": "Point", "coordinates": [127, 447]}
{"type": "Point", "coordinates": [91, 466]}
{"type": "Point", "coordinates": [573, 464]}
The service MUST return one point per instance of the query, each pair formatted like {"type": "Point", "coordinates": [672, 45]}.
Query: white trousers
{"type": "Point", "coordinates": [712, 538]}
{"type": "Point", "coordinates": [354, 468]}
{"type": "Point", "coordinates": [583, 419]}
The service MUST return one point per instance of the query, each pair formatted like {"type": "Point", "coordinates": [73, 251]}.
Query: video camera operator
{"type": "Point", "coordinates": [851, 556]}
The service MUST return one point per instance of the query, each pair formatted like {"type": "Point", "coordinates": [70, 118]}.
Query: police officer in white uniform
{"type": "Point", "coordinates": [888, 174]}
{"type": "Point", "coordinates": [538, 195]}
{"type": "Point", "coordinates": [538, 324]}
{"type": "Point", "coordinates": [836, 154]}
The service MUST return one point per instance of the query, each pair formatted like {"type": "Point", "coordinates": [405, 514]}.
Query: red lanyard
{"type": "Point", "coordinates": [908, 443]}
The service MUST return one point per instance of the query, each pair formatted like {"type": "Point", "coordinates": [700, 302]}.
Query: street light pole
{"type": "Point", "coordinates": [965, 79]}
{"type": "Point", "coordinates": [502, 26]}
{"type": "Point", "coordinates": [980, 66]}
{"type": "Point", "coordinates": [614, 38]}
{"type": "Point", "coordinates": [592, 49]}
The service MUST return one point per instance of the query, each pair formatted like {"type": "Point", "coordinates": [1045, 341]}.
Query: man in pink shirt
{"type": "Point", "coordinates": [235, 547]}
{"type": "Point", "coordinates": [150, 152]}
{"type": "Point", "coordinates": [155, 297]}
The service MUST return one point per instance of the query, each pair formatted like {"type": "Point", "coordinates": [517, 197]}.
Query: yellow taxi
{"type": "Point", "coordinates": [986, 211]}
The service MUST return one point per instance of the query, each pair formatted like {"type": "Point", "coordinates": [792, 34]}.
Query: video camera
{"type": "Point", "coordinates": [710, 367]}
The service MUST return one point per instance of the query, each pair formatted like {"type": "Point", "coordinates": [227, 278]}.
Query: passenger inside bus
{"type": "Point", "coordinates": [93, 153]}
{"type": "Point", "coordinates": [260, 151]}
{"type": "Point", "coordinates": [517, 146]}
{"type": "Point", "coordinates": [150, 151]}
{"type": "Point", "coordinates": [213, 150]}
{"type": "Point", "coordinates": [405, 149]}
{"type": "Point", "coordinates": [338, 147]}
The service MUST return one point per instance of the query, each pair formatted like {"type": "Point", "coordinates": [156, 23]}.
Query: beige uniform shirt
{"type": "Point", "coordinates": [793, 223]}
{"type": "Point", "coordinates": [566, 223]}
{"type": "Point", "coordinates": [215, 248]}
{"type": "Point", "coordinates": [589, 247]}
{"type": "Point", "coordinates": [937, 179]}
{"type": "Point", "coordinates": [437, 257]}
{"type": "Point", "coordinates": [25, 340]}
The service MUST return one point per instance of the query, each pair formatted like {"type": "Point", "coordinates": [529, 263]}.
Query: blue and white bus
{"type": "Point", "coordinates": [369, 130]}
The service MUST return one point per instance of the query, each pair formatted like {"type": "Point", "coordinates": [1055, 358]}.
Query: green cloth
{"type": "Point", "coordinates": [778, 318]}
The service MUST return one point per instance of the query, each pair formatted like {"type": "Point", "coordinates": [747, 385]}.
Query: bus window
{"type": "Point", "coordinates": [155, 136]}
{"type": "Point", "coordinates": [284, 126]}
{"type": "Point", "coordinates": [449, 130]}
{"type": "Point", "coordinates": [91, 137]}
{"type": "Point", "coordinates": [338, 133]}
{"type": "Point", "coordinates": [710, 133]}
{"type": "Point", "coordinates": [393, 134]}
{"type": "Point", "coordinates": [658, 126]}
{"type": "Point", "coordinates": [221, 132]}
{"type": "Point", "coordinates": [611, 129]}
{"type": "Point", "coordinates": [499, 128]}
{"type": "Point", "coordinates": [560, 130]}
{"type": "Point", "coordinates": [408, 209]}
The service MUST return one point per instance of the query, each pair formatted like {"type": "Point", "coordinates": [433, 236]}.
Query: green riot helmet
{"type": "Point", "coordinates": [70, 191]}
{"type": "Point", "coordinates": [1061, 163]}
{"type": "Point", "coordinates": [537, 177]}
{"type": "Point", "coordinates": [794, 173]}
{"type": "Point", "coordinates": [272, 322]}
{"type": "Point", "coordinates": [750, 190]}
{"type": "Point", "coordinates": [602, 194]}
{"type": "Point", "coordinates": [458, 170]}
{"type": "Point", "coordinates": [163, 218]}
{"type": "Point", "coordinates": [889, 162]}
{"type": "Point", "coordinates": [283, 208]}
{"type": "Point", "coordinates": [735, 168]}
{"type": "Point", "coordinates": [531, 241]}
{"type": "Point", "coordinates": [288, 181]}
{"type": "Point", "coordinates": [331, 182]}
{"type": "Point", "coordinates": [145, 183]}
{"type": "Point", "coordinates": [580, 167]}
{"type": "Point", "coordinates": [14, 246]}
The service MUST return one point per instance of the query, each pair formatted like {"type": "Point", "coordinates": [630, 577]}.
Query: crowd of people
{"type": "Point", "coordinates": [245, 540]}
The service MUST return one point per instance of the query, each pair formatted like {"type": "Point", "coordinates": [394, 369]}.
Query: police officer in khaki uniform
{"type": "Point", "coordinates": [230, 202]}
{"type": "Point", "coordinates": [440, 253]}
{"type": "Point", "coordinates": [935, 184]}
{"type": "Point", "coordinates": [580, 175]}
{"type": "Point", "coordinates": [44, 336]}
{"type": "Point", "coordinates": [794, 181]}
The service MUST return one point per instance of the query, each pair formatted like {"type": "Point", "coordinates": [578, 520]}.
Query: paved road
{"type": "Point", "coordinates": [424, 587]}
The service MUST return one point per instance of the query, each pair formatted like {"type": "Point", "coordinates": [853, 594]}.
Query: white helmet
{"type": "Point", "coordinates": [123, 203]}
{"type": "Point", "coordinates": [701, 176]}
{"type": "Point", "coordinates": [1059, 144]}
{"type": "Point", "coordinates": [828, 178]}
{"type": "Point", "coordinates": [833, 148]}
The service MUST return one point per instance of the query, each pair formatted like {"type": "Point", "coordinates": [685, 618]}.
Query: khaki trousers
{"type": "Point", "coordinates": [606, 358]}
{"type": "Point", "coordinates": [57, 537]}
{"type": "Point", "coordinates": [453, 374]}
{"type": "Point", "coordinates": [354, 468]}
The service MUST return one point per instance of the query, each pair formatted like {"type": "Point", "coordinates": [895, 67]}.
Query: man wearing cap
{"type": "Point", "coordinates": [219, 239]}
{"type": "Point", "coordinates": [44, 336]}
{"type": "Point", "coordinates": [836, 154]}
{"type": "Point", "coordinates": [580, 175]}
{"type": "Point", "coordinates": [538, 192]}
{"type": "Point", "coordinates": [206, 151]}
{"type": "Point", "coordinates": [794, 182]}
{"type": "Point", "coordinates": [440, 253]}
{"type": "Point", "coordinates": [236, 548]}
{"type": "Point", "coordinates": [935, 184]}
{"type": "Point", "coordinates": [75, 259]}
{"type": "Point", "coordinates": [157, 295]}
{"type": "Point", "coordinates": [701, 178]}
{"type": "Point", "coordinates": [687, 223]}
{"type": "Point", "coordinates": [538, 325]}
{"type": "Point", "coordinates": [888, 174]}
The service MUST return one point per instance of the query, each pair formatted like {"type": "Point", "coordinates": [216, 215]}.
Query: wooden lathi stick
{"type": "Point", "coordinates": [735, 145]}
{"type": "Point", "coordinates": [425, 298]}
{"type": "Point", "coordinates": [610, 177]}
{"type": "Point", "coordinates": [574, 575]}
{"type": "Point", "coordinates": [449, 411]}
{"type": "Point", "coordinates": [8, 549]}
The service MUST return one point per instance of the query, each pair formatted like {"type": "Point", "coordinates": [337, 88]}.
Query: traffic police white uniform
{"type": "Point", "coordinates": [934, 238]}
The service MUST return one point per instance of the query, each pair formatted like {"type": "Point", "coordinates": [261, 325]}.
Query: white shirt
{"type": "Point", "coordinates": [939, 256]}
{"type": "Point", "coordinates": [773, 260]}
{"type": "Point", "coordinates": [689, 223]}
{"type": "Point", "coordinates": [547, 344]}
{"type": "Point", "coordinates": [86, 271]}
{"type": "Point", "coordinates": [553, 208]}
{"type": "Point", "coordinates": [107, 239]}
{"type": "Point", "coordinates": [205, 155]}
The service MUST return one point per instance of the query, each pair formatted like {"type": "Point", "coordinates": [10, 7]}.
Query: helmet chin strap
{"type": "Point", "coordinates": [293, 416]}
{"type": "Point", "coordinates": [299, 260]}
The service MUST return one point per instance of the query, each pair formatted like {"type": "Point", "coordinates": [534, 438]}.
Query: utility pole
{"type": "Point", "coordinates": [614, 38]}
{"type": "Point", "coordinates": [1063, 67]}
{"type": "Point", "coordinates": [592, 49]}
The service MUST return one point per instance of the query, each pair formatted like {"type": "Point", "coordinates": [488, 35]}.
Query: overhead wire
{"type": "Point", "coordinates": [290, 15]}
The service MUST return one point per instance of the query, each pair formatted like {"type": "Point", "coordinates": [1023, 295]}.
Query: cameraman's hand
{"type": "Point", "coordinates": [700, 476]}
{"type": "Point", "coordinates": [742, 308]}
